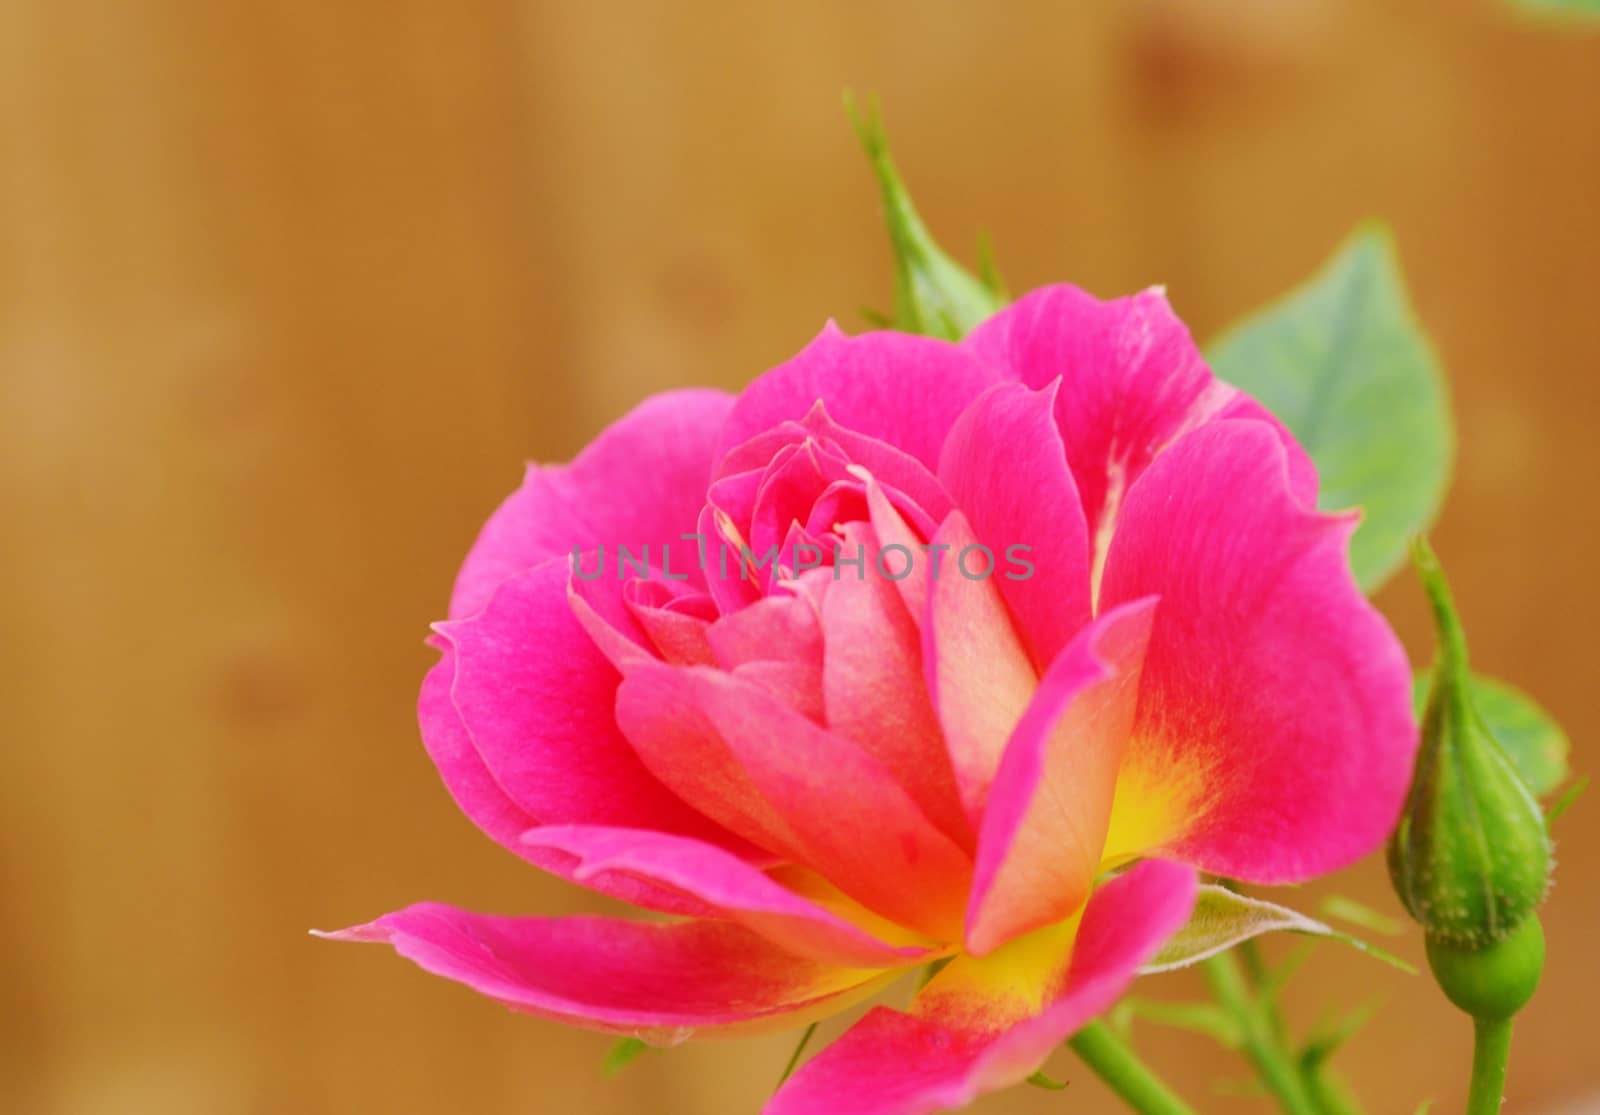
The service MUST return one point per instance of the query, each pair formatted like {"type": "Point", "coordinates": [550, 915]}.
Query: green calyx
{"type": "Point", "coordinates": [1470, 859]}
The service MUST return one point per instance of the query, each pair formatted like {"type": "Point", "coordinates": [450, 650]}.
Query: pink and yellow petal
{"type": "Point", "coordinates": [1044, 831]}
{"type": "Point", "coordinates": [1274, 737]}
{"type": "Point", "coordinates": [977, 669]}
{"type": "Point", "coordinates": [730, 887]}
{"type": "Point", "coordinates": [660, 982]}
{"type": "Point", "coordinates": [767, 772]}
{"type": "Point", "coordinates": [1132, 383]}
{"type": "Point", "coordinates": [873, 684]}
{"type": "Point", "coordinates": [953, 1048]}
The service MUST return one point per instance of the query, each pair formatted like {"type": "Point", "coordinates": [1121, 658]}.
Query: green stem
{"type": "Point", "coordinates": [1330, 1094]}
{"type": "Point", "coordinates": [1114, 1062]}
{"type": "Point", "coordinates": [1491, 1047]}
{"type": "Point", "coordinates": [1276, 1068]}
{"type": "Point", "coordinates": [1255, 967]}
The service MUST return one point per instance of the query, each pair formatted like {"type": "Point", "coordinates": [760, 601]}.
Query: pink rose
{"type": "Point", "coordinates": [837, 765]}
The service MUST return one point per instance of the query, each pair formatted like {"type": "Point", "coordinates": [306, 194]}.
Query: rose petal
{"type": "Point", "coordinates": [977, 670]}
{"type": "Point", "coordinates": [486, 804]}
{"type": "Point", "coordinates": [899, 389]}
{"type": "Point", "coordinates": [641, 482]}
{"type": "Point", "coordinates": [1006, 468]}
{"type": "Point", "coordinates": [1274, 738]}
{"type": "Point", "coordinates": [897, 469]}
{"type": "Point", "coordinates": [782, 628]}
{"type": "Point", "coordinates": [1132, 383]}
{"type": "Point", "coordinates": [769, 774]}
{"type": "Point", "coordinates": [873, 687]}
{"type": "Point", "coordinates": [659, 982]}
{"type": "Point", "coordinates": [892, 1063]}
{"type": "Point", "coordinates": [536, 698]}
{"type": "Point", "coordinates": [730, 886]}
{"type": "Point", "coordinates": [1045, 827]}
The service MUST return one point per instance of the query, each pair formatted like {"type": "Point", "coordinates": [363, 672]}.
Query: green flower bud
{"type": "Point", "coordinates": [1470, 859]}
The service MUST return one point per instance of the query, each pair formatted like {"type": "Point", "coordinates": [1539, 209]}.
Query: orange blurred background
{"type": "Point", "coordinates": [288, 292]}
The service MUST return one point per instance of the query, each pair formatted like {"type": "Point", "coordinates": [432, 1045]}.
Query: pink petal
{"type": "Point", "coordinates": [1274, 738]}
{"type": "Point", "coordinates": [891, 529]}
{"type": "Point", "coordinates": [675, 623]}
{"type": "Point", "coordinates": [660, 982]}
{"type": "Point", "coordinates": [769, 774]}
{"type": "Point", "coordinates": [1132, 382]}
{"type": "Point", "coordinates": [600, 609]}
{"type": "Point", "coordinates": [977, 670]}
{"type": "Point", "coordinates": [468, 780]}
{"type": "Point", "coordinates": [795, 684]}
{"type": "Point", "coordinates": [899, 389]}
{"type": "Point", "coordinates": [732, 582]}
{"type": "Point", "coordinates": [891, 1063]}
{"type": "Point", "coordinates": [728, 885]}
{"type": "Point", "coordinates": [897, 469]}
{"type": "Point", "coordinates": [789, 487]}
{"type": "Point", "coordinates": [536, 699]}
{"type": "Point", "coordinates": [775, 628]}
{"type": "Point", "coordinates": [486, 804]}
{"type": "Point", "coordinates": [1043, 832]}
{"type": "Point", "coordinates": [641, 482]}
{"type": "Point", "coordinates": [1006, 468]}
{"type": "Point", "coordinates": [873, 686]}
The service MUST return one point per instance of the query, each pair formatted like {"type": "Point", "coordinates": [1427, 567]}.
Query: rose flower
{"type": "Point", "coordinates": [914, 651]}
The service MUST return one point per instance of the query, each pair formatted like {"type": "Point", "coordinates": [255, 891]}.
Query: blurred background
{"type": "Point", "coordinates": [288, 291]}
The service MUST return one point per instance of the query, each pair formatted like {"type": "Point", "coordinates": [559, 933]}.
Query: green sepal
{"type": "Point", "coordinates": [933, 295]}
{"type": "Point", "coordinates": [1048, 1083]}
{"type": "Point", "coordinates": [1223, 918]}
{"type": "Point", "coordinates": [1529, 735]}
{"type": "Point", "coordinates": [622, 1054]}
{"type": "Point", "coordinates": [799, 1050]}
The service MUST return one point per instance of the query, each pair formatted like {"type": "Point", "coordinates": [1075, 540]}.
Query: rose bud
{"type": "Point", "coordinates": [1470, 859]}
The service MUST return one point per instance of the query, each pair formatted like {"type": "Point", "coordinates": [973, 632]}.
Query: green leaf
{"type": "Point", "coordinates": [1049, 1083]}
{"type": "Point", "coordinates": [1223, 918]}
{"type": "Point", "coordinates": [621, 1055]}
{"type": "Point", "coordinates": [1343, 363]}
{"type": "Point", "coordinates": [1576, 11]}
{"type": "Point", "coordinates": [1530, 737]}
{"type": "Point", "coordinates": [933, 295]}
